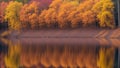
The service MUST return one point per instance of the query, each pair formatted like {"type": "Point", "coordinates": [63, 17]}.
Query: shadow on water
{"type": "Point", "coordinates": [59, 53]}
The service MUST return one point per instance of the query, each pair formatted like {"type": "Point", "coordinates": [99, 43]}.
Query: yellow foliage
{"type": "Point", "coordinates": [12, 60]}
{"type": "Point", "coordinates": [106, 58]}
{"type": "Point", "coordinates": [12, 15]}
{"type": "Point", "coordinates": [106, 19]}
{"type": "Point", "coordinates": [104, 10]}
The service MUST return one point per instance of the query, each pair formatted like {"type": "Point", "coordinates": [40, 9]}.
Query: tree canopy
{"type": "Point", "coordinates": [34, 14]}
{"type": "Point", "coordinates": [12, 15]}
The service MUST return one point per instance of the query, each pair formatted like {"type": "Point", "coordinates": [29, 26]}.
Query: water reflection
{"type": "Point", "coordinates": [35, 55]}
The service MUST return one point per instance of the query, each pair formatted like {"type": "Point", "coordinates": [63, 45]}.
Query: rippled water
{"type": "Point", "coordinates": [59, 53]}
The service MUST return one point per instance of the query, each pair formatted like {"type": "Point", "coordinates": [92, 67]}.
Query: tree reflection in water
{"type": "Point", "coordinates": [12, 59]}
{"type": "Point", "coordinates": [106, 58]}
{"type": "Point", "coordinates": [58, 55]}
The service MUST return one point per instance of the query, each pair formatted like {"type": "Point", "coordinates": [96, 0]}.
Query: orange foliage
{"type": "Point", "coordinates": [65, 13]}
{"type": "Point", "coordinates": [65, 9]}
{"type": "Point", "coordinates": [42, 19]}
{"type": "Point", "coordinates": [88, 17]}
{"type": "Point", "coordinates": [82, 14]}
{"type": "Point", "coordinates": [24, 17]}
{"type": "Point", "coordinates": [29, 15]}
{"type": "Point", "coordinates": [49, 17]}
{"type": "Point", "coordinates": [85, 11]}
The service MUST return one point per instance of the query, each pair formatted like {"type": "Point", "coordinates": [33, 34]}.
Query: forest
{"type": "Point", "coordinates": [37, 14]}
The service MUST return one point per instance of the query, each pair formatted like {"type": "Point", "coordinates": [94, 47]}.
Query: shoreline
{"type": "Point", "coordinates": [64, 33]}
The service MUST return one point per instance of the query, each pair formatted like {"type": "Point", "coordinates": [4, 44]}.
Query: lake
{"type": "Point", "coordinates": [59, 53]}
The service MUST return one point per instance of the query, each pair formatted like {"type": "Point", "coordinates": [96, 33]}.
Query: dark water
{"type": "Point", "coordinates": [54, 53]}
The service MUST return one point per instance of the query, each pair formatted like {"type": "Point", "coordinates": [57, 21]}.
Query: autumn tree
{"type": "Point", "coordinates": [12, 15]}
{"type": "Point", "coordinates": [24, 17]}
{"type": "Point", "coordinates": [74, 18]}
{"type": "Point", "coordinates": [104, 10]}
{"type": "Point", "coordinates": [88, 16]}
{"type": "Point", "coordinates": [29, 15]}
{"type": "Point", "coordinates": [42, 22]}
{"type": "Point", "coordinates": [49, 16]}
{"type": "Point", "coordinates": [3, 6]}
{"type": "Point", "coordinates": [64, 11]}
{"type": "Point", "coordinates": [34, 10]}
{"type": "Point", "coordinates": [57, 13]}
{"type": "Point", "coordinates": [83, 14]}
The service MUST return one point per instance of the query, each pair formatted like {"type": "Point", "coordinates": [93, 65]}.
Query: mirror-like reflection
{"type": "Point", "coordinates": [34, 55]}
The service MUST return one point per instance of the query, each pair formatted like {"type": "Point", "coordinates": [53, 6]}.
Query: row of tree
{"type": "Point", "coordinates": [57, 13]}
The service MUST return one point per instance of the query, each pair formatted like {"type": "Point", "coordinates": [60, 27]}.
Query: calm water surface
{"type": "Point", "coordinates": [59, 53]}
